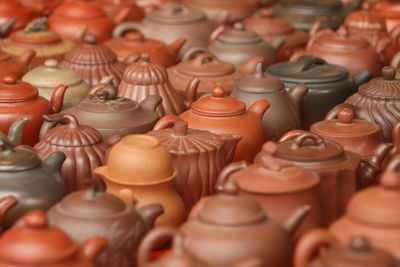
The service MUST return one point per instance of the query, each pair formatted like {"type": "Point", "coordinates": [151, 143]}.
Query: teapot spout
{"type": "Point", "coordinates": [150, 213]}
{"type": "Point", "coordinates": [6, 203]}
{"type": "Point", "coordinates": [92, 247]}
{"type": "Point", "coordinates": [55, 160]}
{"type": "Point", "coordinates": [231, 142]}
{"type": "Point", "coordinates": [249, 66]}
{"type": "Point", "coordinates": [15, 132]}
{"type": "Point", "coordinates": [294, 221]}
{"type": "Point", "coordinates": [151, 102]}
{"type": "Point", "coordinates": [26, 57]}
{"type": "Point", "coordinates": [259, 108]}
{"type": "Point", "coordinates": [177, 45]}
{"type": "Point", "coordinates": [57, 98]}
{"type": "Point", "coordinates": [297, 93]}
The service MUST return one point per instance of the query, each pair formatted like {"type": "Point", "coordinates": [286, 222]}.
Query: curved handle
{"type": "Point", "coordinates": [168, 121]}
{"type": "Point", "coordinates": [382, 45]}
{"type": "Point", "coordinates": [51, 121]}
{"type": "Point", "coordinates": [317, 140]}
{"type": "Point", "coordinates": [309, 246]}
{"type": "Point", "coordinates": [224, 175]}
{"type": "Point", "coordinates": [361, 78]}
{"type": "Point", "coordinates": [218, 31]}
{"type": "Point", "coordinates": [92, 248]}
{"type": "Point", "coordinates": [259, 108]}
{"type": "Point", "coordinates": [291, 135]}
{"type": "Point", "coordinates": [395, 34]}
{"type": "Point", "coordinates": [395, 62]}
{"type": "Point", "coordinates": [126, 27]}
{"type": "Point", "coordinates": [305, 63]}
{"type": "Point", "coordinates": [193, 52]}
{"type": "Point", "coordinates": [205, 59]}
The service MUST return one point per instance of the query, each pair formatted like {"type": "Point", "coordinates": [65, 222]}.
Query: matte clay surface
{"type": "Point", "coordinates": [14, 9]}
{"type": "Point", "coordinates": [16, 66]}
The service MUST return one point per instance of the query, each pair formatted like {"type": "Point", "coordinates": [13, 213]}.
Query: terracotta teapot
{"type": "Point", "coordinates": [373, 213]}
{"type": "Point", "coordinates": [145, 78]}
{"type": "Point", "coordinates": [83, 146]}
{"type": "Point", "coordinates": [284, 114]}
{"type": "Point", "coordinates": [136, 42]}
{"type": "Point", "coordinates": [237, 44]}
{"type": "Point", "coordinates": [309, 252]}
{"type": "Point", "coordinates": [74, 15]}
{"type": "Point", "coordinates": [109, 114]}
{"type": "Point", "coordinates": [113, 7]}
{"type": "Point", "coordinates": [47, 77]}
{"type": "Point", "coordinates": [376, 101]}
{"type": "Point", "coordinates": [198, 156]}
{"type": "Point", "coordinates": [390, 11]}
{"type": "Point", "coordinates": [20, 99]}
{"type": "Point", "coordinates": [131, 174]}
{"type": "Point", "coordinates": [46, 246]}
{"type": "Point", "coordinates": [345, 49]}
{"type": "Point", "coordinates": [16, 66]}
{"type": "Point", "coordinates": [222, 114]}
{"type": "Point", "coordinates": [36, 184]}
{"type": "Point", "coordinates": [14, 9]}
{"type": "Point", "coordinates": [37, 37]}
{"type": "Point", "coordinates": [41, 7]}
{"type": "Point", "coordinates": [92, 212]}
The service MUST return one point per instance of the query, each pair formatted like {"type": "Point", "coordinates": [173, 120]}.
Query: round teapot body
{"type": "Point", "coordinates": [14, 9]}
{"type": "Point", "coordinates": [295, 41]}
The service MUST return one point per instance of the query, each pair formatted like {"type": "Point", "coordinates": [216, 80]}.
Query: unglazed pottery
{"type": "Point", "coordinates": [16, 66]}
{"type": "Point", "coordinates": [41, 7]}
{"type": "Point", "coordinates": [390, 11]}
{"type": "Point", "coordinates": [144, 78]}
{"type": "Point", "coordinates": [47, 77]}
{"type": "Point", "coordinates": [198, 156]}
{"type": "Point", "coordinates": [109, 114]}
{"type": "Point", "coordinates": [222, 114]}
{"type": "Point", "coordinates": [113, 7]}
{"type": "Point", "coordinates": [284, 113]}
{"type": "Point", "coordinates": [92, 212]}
{"type": "Point", "coordinates": [328, 85]}
{"type": "Point", "coordinates": [14, 9]}
{"type": "Point", "coordinates": [46, 246]}
{"type": "Point", "coordinates": [140, 167]}
{"type": "Point", "coordinates": [83, 146]}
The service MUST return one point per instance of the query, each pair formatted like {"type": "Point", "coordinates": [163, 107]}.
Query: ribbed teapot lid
{"type": "Point", "coordinates": [205, 65]}
{"type": "Point", "coordinates": [12, 90]}
{"type": "Point", "coordinates": [259, 82]}
{"type": "Point", "coordinates": [175, 13]}
{"type": "Point", "coordinates": [385, 87]}
{"type": "Point", "coordinates": [239, 35]}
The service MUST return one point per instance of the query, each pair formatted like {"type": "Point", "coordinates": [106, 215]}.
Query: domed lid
{"type": "Point", "coordinates": [387, 86]}
{"type": "Point", "coordinates": [205, 65]}
{"type": "Point", "coordinates": [379, 205]}
{"type": "Point", "coordinates": [366, 19]}
{"type": "Point", "coordinates": [52, 75]}
{"type": "Point", "coordinates": [229, 208]}
{"type": "Point", "coordinates": [138, 40]}
{"type": "Point", "coordinates": [36, 242]}
{"type": "Point", "coordinates": [35, 33]}
{"type": "Point", "coordinates": [239, 35]}
{"type": "Point", "coordinates": [90, 52]}
{"type": "Point", "coordinates": [218, 105]}
{"type": "Point", "coordinates": [342, 39]}
{"type": "Point", "coordinates": [273, 175]}
{"type": "Point", "coordinates": [175, 13]}
{"type": "Point", "coordinates": [80, 9]}
{"type": "Point", "coordinates": [12, 90]}
{"type": "Point", "coordinates": [71, 134]}
{"type": "Point", "coordinates": [264, 23]}
{"type": "Point", "coordinates": [357, 253]}
{"type": "Point", "coordinates": [308, 70]}
{"type": "Point", "coordinates": [259, 82]}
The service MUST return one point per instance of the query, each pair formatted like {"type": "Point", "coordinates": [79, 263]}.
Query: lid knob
{"type": "Point", "coordinates": [90, 39]}
{"type": "Point", "coordinates": [231, 188]}
{"type": "Point", "coordinates": [239, 26]}
{"type": "Point", "coordinates": [388, 73]}
{"type": "Point", "coordinates": [218, 92]}
{"type": "Point", "coordinates": [360, 243]}
{"type": "Point", "coordinates": [10, 79]}
{"type": "Point", "coordinates": [134, 37]}
{"type": "Point", "coordinates": [390, 180]}
{"type": "Point", "coordinates": [346, 116]}
{"type": "Point", "coordinates": [343, 31]}
{"type": "Point", "coordinates": [180, 128]}
{"type": "Point", "coordinates": [51, 63]}
{"type": "Point", "coordinates": [145, 57]}
{"type": "Point", "coordinates": [36, 219]}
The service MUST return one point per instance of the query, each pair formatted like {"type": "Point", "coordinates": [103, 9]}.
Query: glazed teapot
{"type": "Point", "coordinates": [92, 212]}
{"type": "Point", "coordinates": [46, 246]}
{"type": "Point", "coordinates": [197, 155]}
{"type": "Point", "coordinates": [14, 9]}
{"type": "Point", "coordinates": [284, 114]}
{"type": "Point", "coordinates": [16, 66]}
{"type": "Point", "coordinates": [109, 114]}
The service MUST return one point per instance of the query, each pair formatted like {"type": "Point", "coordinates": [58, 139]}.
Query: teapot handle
{"type": "Point", "coordinates": [165, 122]}
{"type": "Point", "coordinates": [224, 175]}
{"type": "Point", "coordinates": [193, 52]}
{"type": "Point", "coordinates": [291, 135]}
{"type": "Point", "coordinates": [218, 31]}
{"type": "Point", "coordinates": [51, 121]}
{"type": "Point", "coordinates": [310, 245]}
{"type": "Point", "coordinates": [395, 63]}
{"type": "Point", "coordinates": [126, 27]}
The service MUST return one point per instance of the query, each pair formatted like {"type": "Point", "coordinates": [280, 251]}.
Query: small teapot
{"type": "Point", "coordinates": [14, 9]}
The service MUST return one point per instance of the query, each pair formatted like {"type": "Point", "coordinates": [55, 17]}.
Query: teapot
{"type": "Point", "coordinates": [41, 7]}
{"type": "Point", "coordinates": [14, 9]}
{"type": "Point", "coordinates": [390, 11]}
{"type": "Point", "coordinates": [92, 212]}
{"type": "Point", "coordinates": [17, 65]}
{"type": "Point", "coordinates": [113, 7]}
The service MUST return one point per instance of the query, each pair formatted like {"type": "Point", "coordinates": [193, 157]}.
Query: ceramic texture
{"type": "Point", "coordinates": [113, 8]}
{"type": "Point", "coordinates": [41, 7]}
{"type": "Point", "coordinates": [390, 12]}
{"type": "Point", "coordinates": [16, 66]}
{"type": "Point", "coordinates": [14, 9]}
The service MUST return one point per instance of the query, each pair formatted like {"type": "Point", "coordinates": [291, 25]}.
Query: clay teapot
{"type": "Point", "coordinates": [390, 11]}
{"type": "Point", "coordinates": [46, 246]}
{"type": "Point", "coordinates": [198, 156]}
{"type": "Point", "coordinates": [6, 204]}
{"type": "Point", "coordinates": [16, 66]}
{"type": "Point", "coordinates": [222, 114]}
{"type": "Point", "coordinates": [373, 213]}
{"type": "Point", "coordinates": [74, 15]}
{"type": "Point", "coordinates": [136, 42]}
{"type": "Point", "coordinates": [35, 183]}
{"type": "Point", "coordinates": [83, 146]}
{"type": "Point", "coordinates": [20, 99]}
{"type": "Point", "coordinates": [345, 49]}
{"type": "Point", "coordinates": [376, 101]}
{"type": "Point", "coordinates": [284, 114]}
{"type": "Point", "coordinates": [328, 85]}
{"type": "Point", "coordinates": [237, 44]}
{"type": "Point", "coordinates": [319, 248]}
{"type": "Point", "coordinates": [37, 37]}
{"type": "Point", "coordinates": [131, 174]}
{"type": "Point", "coordinates": [358, 136]}
{"type": "Point", "coordinates": [113, 7]}
{"type": "Point", "coordinates": [92, 212]}
{"type": "Point", "coordinates": [41, 7]}
{"type": "Point", "coordinates": [144, 78]}
{"type": "Point", "coordinates": [109, 114]}
{"type": "Point", "coordinates": [14, 9]}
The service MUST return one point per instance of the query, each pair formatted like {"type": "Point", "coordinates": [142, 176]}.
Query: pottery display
{"type": "Point", "coordinates": [131, 173]}
{"type": "Point", "coordinates": [14, 9]}
{"type": "Point", "coordinates": [83, 146]}
{"type": "Point", "coordinates": [74, 15]}
{"type": "Point", "coordinates": [390, 11]}
{"type": "Point", "coordinates": [319, 248]}
{"type": "Point", "coordinates": [47, 77]}
{"type": "Point", "coordinates": [20, 99]}
{"type": "Point", "coordinates": [237, 44]}
{"type": "Point", "coordinates": [144, 78]}
{"type": "Point", "coordinates": [41, 7]}
{"type": "Point", "coordinates": [222, 114]}
{"type": "Point", "coordinates": [113, 7]}
{"type": "Point", "coordinates": [109, 114]}
{"type": "Point", "coordinates": [328, 85]}
{"type": "Point", "coordinates": [198, 156]}
{"type": "Point", "coordinates": [136, 42]}
{"type": "Point", "coordinates": [92, 212]}
{"type": "Point", "coordinates": [376, 101]}
{"type": "Point", "coordinates": [16, 66]}
{"type": "Point", "coordinates": [373, 213]}
{"type": "Point", "coordinates": [284, 113]}
{"type": "Point", "coordinates": [46, 246]}
{"type": "Point", "coordinates": [37, 37]}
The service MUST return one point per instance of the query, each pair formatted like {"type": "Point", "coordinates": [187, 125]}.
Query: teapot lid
{"type": "Point", "coordinates": [218, 105]}
{"type": "Point", "coordinates": [342, 39]}
{"type": "Point", "coordinates": [259, 82]}
{"type": "Point", "coordinates": [239, 35]}
{"type": "Point", "coordinates": [12, 90]}
{"type": "Point", "coordinates": [205, 65]}
{"type": "Point", "coordinates": [80, 9]}
{"type": "Point", "coordinates": [308, 70]}
{"type": "Point", "coordinates": [36, 242]}
{"type": "Point", "coordinates": [175, 13]}
{"type": "Point", "coordinates": [387, 86]}
{"type": "Point", "coordinates": [264, 22]}
{"type": "Point", "coordinates": [35, 32]}
{"type": "Point", "coordinates": [229, 208]}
